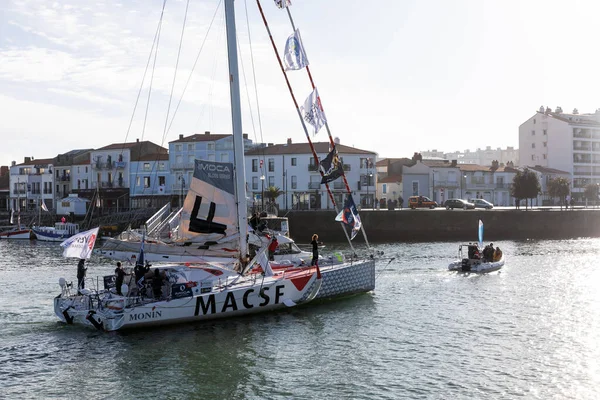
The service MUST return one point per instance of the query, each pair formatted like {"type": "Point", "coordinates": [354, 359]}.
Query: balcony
{"type": "Point", "coordinates": [313, 167]}
{"type": "Point", "coordinates": [176, 188]}
{"type": "Point", "coordinates": [314, 185]}
{"type": "Point", "coordinates": [65, 178]}
{"type": "Point", "coordinates": [120, 164]}
{"type": "Point", "coordinates": [183, 166]}
{"type": "Point", "coordinates": [339, 184]}
{"type": "Point", "coordinates": [446, 184]}
{"type": "Point", "coordinates": [502, 185]}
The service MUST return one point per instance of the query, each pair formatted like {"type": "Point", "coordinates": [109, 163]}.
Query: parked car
{"type": "Point", "coordinates": [421, 202]}
{"type": "Point", "coordinates": [481, 203]}
{"type": "Point", "coordinates": [458, 203]}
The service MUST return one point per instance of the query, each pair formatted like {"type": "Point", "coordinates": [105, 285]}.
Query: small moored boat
{"type": "Point", "coordinates": [473, 262]}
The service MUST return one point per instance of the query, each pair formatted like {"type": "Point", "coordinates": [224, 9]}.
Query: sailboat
{"type": "Point", "coordinates": [16, 232]}
{"type": "Point", "coordinates": [341, 276]}
{"type": "Point", "coordinates": [179, 293]}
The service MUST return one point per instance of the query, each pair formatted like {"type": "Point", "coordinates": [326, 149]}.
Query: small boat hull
{"type": "Point", "coordinates": [22, 234]}
{"type": "Point", "coordinates": [476, 267]}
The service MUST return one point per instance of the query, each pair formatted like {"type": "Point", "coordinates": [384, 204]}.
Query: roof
{"type": "Point", "coordinates": [151, 157]}
{"type": "Point", "coordinates": [439, 164]}
{"type": "Point", "coordinates": [583, 119]}
{"type": "Point", "coordinates": [38, 161]}
{"type": "Point", "coordinates": [201, 137]}
{"type": "Point", "coordinates": [546, 170]}
{"type": "Point", "coordinates": [390, 179]}
{"type": "Point", "coordinates": [129, 145]}
{"type": "Point", "coordinates": [304, 148]}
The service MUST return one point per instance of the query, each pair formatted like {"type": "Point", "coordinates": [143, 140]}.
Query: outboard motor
{"type": "Point", "coordinates": [465, 266]}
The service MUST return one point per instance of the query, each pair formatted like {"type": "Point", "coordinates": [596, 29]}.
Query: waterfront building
{"type": "Point", "coordinates": [150, 179]}
{"type": "Point", "coordinates": [544, 175]}
{"type": "Point", "coordinates": [31, 183]}
{"type": "Point", "coordinates": [207, 146]}
{"type": "Point", "coordinates": [438, 180]}
{"type": "Point", "coordinates": [291, 167]}
{"type": "Point", "coordinates": [389, 178]}
{"type": "Point", "coordinates": [4, 188]}
{"type": "Point", "coordinates": [489, 183]}
{"type": "Point", "coordinates": [478, 157]}
{"type": "Point", "coordinates": [65, 181]}
{"type": "Point", "coordinates": [564, 141]}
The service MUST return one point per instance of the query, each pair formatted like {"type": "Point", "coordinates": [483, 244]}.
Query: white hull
{"type": "Point", "coordinates": [23, 234]}
{"type": "Point", "coordinates": [476, 267]}
{"type": "Point", "coordinates": [226, 296]}
{"type": "Point", "coordinates": [347, 278]}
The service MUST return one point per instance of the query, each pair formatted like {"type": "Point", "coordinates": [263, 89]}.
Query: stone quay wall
{"type": "Point", "coordinates": [383, 226]}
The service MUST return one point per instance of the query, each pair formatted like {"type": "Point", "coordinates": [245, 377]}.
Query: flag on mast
{"type": "Point", "coordinates": [80, 245]}
{"type": "Point", "coordinates": [11, 216]}
{"type": "Point", "coordinates": [294, 56]}
{"type": "Point", "coordinates": [331, 167]}
{"type": "Point", "coordinates": [283, 3]}
{"type": "Point", "coordinates": [349, 216]}
{"type": "Point", "coordinates": [480, 231]}
{"type": "Point", "coordinates": [44, 206]}
{"type": "Point", "coordinates": [312, 111]}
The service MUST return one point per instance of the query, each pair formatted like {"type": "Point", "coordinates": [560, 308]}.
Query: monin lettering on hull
{"type": "Point", "coordinates": [208, 304]}
{"type": "Point", "coordinates": [145, 316]}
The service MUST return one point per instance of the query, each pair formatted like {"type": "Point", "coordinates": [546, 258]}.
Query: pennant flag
{"type": "Point", "coordinates": [11, 216]}
{"type": "Point", "coordinates": [294, 56]}
{"type": "Point", "coordinates": [312, 112]}
{"type": "Point", "coordinates": [480, 234]}
{"type": "Point", "coordinates": [44, 206]}
{"type": "Point", "coordinates": [283, 3]}
{"type": "Point", "coordinates": [349, 216]}
{"type": "Point", "coordinates": [331, 167]}
{"type": "Point", "coordinates": [80, 245]}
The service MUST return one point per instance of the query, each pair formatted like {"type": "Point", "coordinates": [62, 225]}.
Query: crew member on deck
{"type": "Point", "coordinates": [120, 273]}
{"type": "Point", "coordinates": [157, 284]}
{"type": "Point", "coordinates": [81, 269]}
{"type": "Point", "coordinates": [273, 247]}
{"type": "Point", "coordinates": [315, 249]}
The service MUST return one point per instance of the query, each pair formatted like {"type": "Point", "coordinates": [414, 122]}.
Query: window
{"type": "Point", "coordinates": [294, 182]}
{"type": "Point", "coordinates": [533, 133]}
{"type": "Point", "coordinates": [544, 156]}
{"type": "Point", "coordinates": [191, 159]}
{"type": "Point", "coordinates": [161, 180]}
{"type": "Point", "coordinates": [415, 188]}
{"type": "Point", "coordinates": [86, 170]}
{"type": "Point", "coordinates": [211, 157]}
{"type": "Point", "coordinates": [146, 181]}
{"type": "Point", "coordinates": [544, 131]}
{"type": "Point", "coordinates": [534, 120]}
{"type": "Point", "coordinates": [137, 181]}
{"type": "Point", "coordinates": [191, 147]}
{"type": "Point", "coordinates": [545, 144]}
{"type": "Point", "coordinates": [271, 165]}
{"type": "Point", "coordinates": [78, 170]}
{"type": "Point", "coordinates": [178, 159]}
{"type": "Point", "coordinates": [271, 181]}
{"type": "Point", "coordinates": [533, 157]}
{"type": "Point", "coordinates": [161, 166]}
{"type": "Point", "coordinates": [178, 147]}
{"type": "Point", "coordinates": [294, 162]}
{"type": "Point", "coordinates": [533, 145]}
{"type": "Point", "coordinates": [254, 165]}
{"type": "Point", "coordinates": [146, 166]}
{"type": "Point", "coordinates": [210, 146]}
{"type": "Point", "coordinates": [224, 157]}
{"type": "Point", "coordinates": [384, 188]}
{"type": "Point", "coordinates": [255, 182]}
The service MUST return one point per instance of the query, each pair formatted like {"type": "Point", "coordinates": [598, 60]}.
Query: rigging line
{"type": "Point", "coordinates": [258, 113]}
{"type": "Point", "coordinates": [194, 66]}
{"type": "Point", "coordinates": [331, 141]}
{"type": "Point", "coordinates": [302, 119]}
{"type": "Point", "coordinates": [143, 79]}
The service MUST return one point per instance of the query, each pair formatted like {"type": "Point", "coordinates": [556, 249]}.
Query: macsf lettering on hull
{"type": "Point", "coordinates": [208, 305]}
{"type": "Point", "coordinates": [145, 316]}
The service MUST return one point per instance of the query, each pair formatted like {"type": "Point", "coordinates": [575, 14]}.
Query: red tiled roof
{"type": "Point", "coordinates": [546, 170]}
{"type": "Point", "coordinates": [201, 137]}
{"type": "Point", "coordinates": [391, 179]}
{"type": "Point", "coordinates": [38, 161]}
{"type": "Point", "coordinates": [304, 148]}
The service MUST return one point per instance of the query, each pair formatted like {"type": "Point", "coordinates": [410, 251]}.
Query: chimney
{"type": "Point", "coordinates": [453, 163]}
{"type": "Point", "coordinates": [289, 141]}
{"type": "Point", "coordinates": [245, 135]}
{"type": "Point", "coordinates": [137, 140]}
{"type": "Point", "coordinates": [336, 140]}
{"type": "Point", "coordinates": [180, 136]}
{"type": "Point", "coordinates": [13, 163]}
{"type": "Point", "coordinates": [269, 144]}
{"type": "Point", "coordinates": [27, 159]}
{"type": "Point", "coordinates": [207, 132]}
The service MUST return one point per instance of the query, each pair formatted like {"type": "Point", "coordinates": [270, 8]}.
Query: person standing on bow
{"type": "Point", "coordinates": [81, 270]}
{"type": "Point", "coordinates": [120, 273]}
{"type": "Point", "coordinates": [315, 249]}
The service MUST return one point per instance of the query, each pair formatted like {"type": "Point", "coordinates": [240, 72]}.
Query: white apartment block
{"type": "Point", "coordinates": [291, 168]}
{"type": "Point", "coordinates": [481, 156]}
{"type": "Point", "coordinates": [566, 142]}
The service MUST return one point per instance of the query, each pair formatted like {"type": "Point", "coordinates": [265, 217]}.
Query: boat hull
{"type": "Point", "coordinates": [253, 294]}
{"type": "Point", "coordinates": [22, 234]}
{"type": "Point", "coordinates": [348, 278]}
{"type": "Point", "coordinates": [50, 237]}
{"type": "Point", "coordinates": [478, 267]}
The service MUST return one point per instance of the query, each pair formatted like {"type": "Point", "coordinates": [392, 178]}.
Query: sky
{"type": "Point", "coordinates": [394, 76]}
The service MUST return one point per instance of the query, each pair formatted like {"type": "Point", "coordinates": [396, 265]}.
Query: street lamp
{"type": "Point", "coordinates": [433, 185]}
{"type": "Point", "coordinates": [461, 184]}
{"type": "Point", "coordinates": [368, 181]}
{"type": "Point", "coordinates": [182, 179]}
{"type": "Point", "coordinates": [262, 196]}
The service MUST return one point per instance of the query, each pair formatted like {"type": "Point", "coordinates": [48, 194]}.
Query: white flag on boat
{"type": "Point", "coordinates": [44, 206]}
{"type": "Point", "coordinates": [11, 216]}
{"type": "Point", "coordinates": [283, 3]}
{"type": "Point", "coordinates": [294, 56]}
{"type": "Point", "coordinates": [80, 245]}
{"type": "Point", "coordinates": [312, 111]}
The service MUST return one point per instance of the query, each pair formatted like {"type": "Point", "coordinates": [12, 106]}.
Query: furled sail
{"type": "Point", "coordinates": [209, 211]}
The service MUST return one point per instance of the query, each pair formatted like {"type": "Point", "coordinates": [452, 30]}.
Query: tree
{"type": "Point", "coordinates": [591, 192]}
{"type": "Point", "coordinates": [526, 185]}
{"type": "Point", "coordinates": [273, 193]}
{"type": "Point", "coordinates": [559, 187]}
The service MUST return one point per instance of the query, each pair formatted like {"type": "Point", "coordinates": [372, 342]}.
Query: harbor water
{"type": "Point", "coordinates": [530, 331]}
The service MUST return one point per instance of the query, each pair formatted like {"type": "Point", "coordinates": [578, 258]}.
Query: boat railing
{"type": "Point", "coordinates": [154, 221]}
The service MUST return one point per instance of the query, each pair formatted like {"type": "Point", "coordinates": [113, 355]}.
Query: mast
{"type": "Point", "coordinates": [236, 123]}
